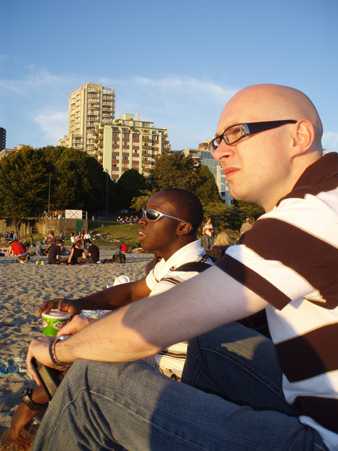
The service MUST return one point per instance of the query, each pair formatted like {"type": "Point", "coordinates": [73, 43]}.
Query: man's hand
{"type": "Point", "coordinates": [39, 348]}
{"type": "Point", "coordinates": [71, 307]}
{"type": "Point", "coordinates": [21, 419]}
{"type": "Point", "coordinates": [76, 324]}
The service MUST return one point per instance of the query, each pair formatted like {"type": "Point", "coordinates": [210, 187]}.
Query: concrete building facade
{"type": "Point", "coordinates": [129, 144]}
{"type": "Point", "coordinates": [90, 105]}
{"type": "Point", "coordinates": [204, 157]}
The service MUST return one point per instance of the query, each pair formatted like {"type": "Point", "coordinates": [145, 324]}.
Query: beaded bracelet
{"type": "Point", "coordinates": [52, 354]}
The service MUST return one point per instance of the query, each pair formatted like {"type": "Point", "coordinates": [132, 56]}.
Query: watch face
{"type": "Point", "coordinates": [27, 393]}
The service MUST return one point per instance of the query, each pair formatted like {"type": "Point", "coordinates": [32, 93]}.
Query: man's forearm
{"type": "Point", "coordinates": [143, 328]}
{"type": "Point", "coordinates": [109, 299]}
{"type": "Point", "coordinates": [108, 340]}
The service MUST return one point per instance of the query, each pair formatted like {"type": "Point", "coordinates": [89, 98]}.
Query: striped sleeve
{"type": "Point", "coordinates": [289, 255]}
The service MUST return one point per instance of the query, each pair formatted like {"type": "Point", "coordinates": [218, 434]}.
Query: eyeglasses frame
{"type": "Point", "coordinates": [249, 128]}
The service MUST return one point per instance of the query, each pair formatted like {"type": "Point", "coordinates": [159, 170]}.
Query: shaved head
{"type": "Point", "coordinates": [264, 166]}
{"type": "Point", "coordinates": [273, 102]}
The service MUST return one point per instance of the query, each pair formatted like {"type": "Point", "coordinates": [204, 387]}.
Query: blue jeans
{"type": "Point", "coordinates": [131, 406]}
{"type": "Point", "coordinates": [208, 241]}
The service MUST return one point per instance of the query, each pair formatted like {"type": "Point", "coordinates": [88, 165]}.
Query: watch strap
{"type": "Point", "coordinates": [26, 398]}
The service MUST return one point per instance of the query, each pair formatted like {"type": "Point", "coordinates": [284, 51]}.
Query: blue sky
{"type": "Point", "coordinates": [175, 62]}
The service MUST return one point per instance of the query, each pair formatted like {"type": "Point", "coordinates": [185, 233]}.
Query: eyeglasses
{"type": "Point", "coordinates": [154, 215]}
{"type": "Point", "coordinates": [234, 133]}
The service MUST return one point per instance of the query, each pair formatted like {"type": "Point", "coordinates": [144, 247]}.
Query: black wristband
{"type": "Point", "coordinates": [26, 398]}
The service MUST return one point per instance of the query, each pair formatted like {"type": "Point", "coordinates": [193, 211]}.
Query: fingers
{"type": "Point", "coordinates": [52, 304]}
{"type": "Point", "coordinates": [65, 306]}
{"type": "Point", "coordinates": [76, 324]}
{"type": "Point", "coordinates": [31, 369]}
{"type": "Point", "coordinates": [39, 348]}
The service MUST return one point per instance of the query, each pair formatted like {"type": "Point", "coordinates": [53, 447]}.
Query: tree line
{"type": "Point", "coordinates": [67, 178]}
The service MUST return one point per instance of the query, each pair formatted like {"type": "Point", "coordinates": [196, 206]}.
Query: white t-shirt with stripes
{"type": "Point", "coordinates": [163, 277]}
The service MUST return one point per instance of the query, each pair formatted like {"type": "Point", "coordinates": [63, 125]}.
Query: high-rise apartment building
{"type": "Point", "coordinates": [89, 106]}
{"type": "Point", "coordinates": [129, 144]}
{"type": "Point", "coordinates": [2, 138]}
{"type": "Point", "coordinates": [204, 157]}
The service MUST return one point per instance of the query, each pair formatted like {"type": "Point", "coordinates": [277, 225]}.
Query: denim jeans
{"type": "Point", "coordinates": [226, 402]}
{"type": "Point", "coordinates": [208, 241]}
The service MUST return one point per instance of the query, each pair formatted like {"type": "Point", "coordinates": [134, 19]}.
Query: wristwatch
{"type": "Point", "coordinates": [26, 398]}
{"type": "Point", "coordinates": [52, 354]}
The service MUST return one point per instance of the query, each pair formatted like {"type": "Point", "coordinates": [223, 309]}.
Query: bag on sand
{"type": "Point", "coordinates": [119, 257]}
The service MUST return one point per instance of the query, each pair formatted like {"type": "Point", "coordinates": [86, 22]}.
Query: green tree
{"type": "Point", "coordinates": [180, 171]}
{"type": "Point", "coordinates": [251, 210]}
{"type": "Point", "coordinates": [130, 185]}
{"type": "Point", "coordinates": [140, 202]}
{"type": "Point", "coordinates": [175, 171]}
{"type": "Point", "coordinates": [224, 217]}
{"type": "Point", "coordinates": [24, 184]}
{"type": "Point", "coordinates": [207, 190]}
{"type": "Point", "coordinates": [78, 181]}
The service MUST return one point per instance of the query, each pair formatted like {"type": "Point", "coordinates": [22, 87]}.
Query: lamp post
{"type": "Point", "coordinates": [107, 194]}
{"type": "Point", "coordinates": [50, 176]}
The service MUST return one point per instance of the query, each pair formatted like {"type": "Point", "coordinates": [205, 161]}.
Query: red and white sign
{"type": "Point", "coordinates": [73, 214]}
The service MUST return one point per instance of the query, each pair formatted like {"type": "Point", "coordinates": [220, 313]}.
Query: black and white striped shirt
{"type": "Point", "coordinates": [290, 259]}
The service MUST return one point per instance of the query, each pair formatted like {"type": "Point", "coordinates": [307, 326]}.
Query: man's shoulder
{"type": "Point", "coordinates": [187, 257]}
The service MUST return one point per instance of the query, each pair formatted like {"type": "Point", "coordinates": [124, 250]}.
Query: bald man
{"type": "Point", "coordinates": [240, 390]}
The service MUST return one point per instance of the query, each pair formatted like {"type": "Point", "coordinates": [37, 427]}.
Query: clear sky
{"type": "Point", "coordinates": [175, 62]}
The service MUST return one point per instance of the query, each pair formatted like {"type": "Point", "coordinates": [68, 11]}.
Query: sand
{"type": "Point", "coordinates": [23, 288]}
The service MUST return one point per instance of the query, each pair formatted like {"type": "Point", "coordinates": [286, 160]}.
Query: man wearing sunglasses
{"type": "Point", "coordinates": [240, 390]}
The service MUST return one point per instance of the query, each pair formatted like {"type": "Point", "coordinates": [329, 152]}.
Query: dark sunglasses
{"type": "Point", "coordinates": [234, 133]}
{"type": "Point", "coordinates": [154, 215]}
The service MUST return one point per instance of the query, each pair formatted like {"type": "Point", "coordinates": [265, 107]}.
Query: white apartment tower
{"type": "Point", "coordinates": [89, 106]}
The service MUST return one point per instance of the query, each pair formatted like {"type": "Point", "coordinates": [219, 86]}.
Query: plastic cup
{"type": "Point", "coordinates": [54, 321]}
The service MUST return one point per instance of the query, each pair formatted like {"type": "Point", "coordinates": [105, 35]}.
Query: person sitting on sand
{"type": "Point", "coordinates": [76, 253]}
{"type": "Point", "coordinates": [55, 253]}
{"type": "Point", "coordinates": [123, 247]}
{"type": "Point", "coordinates": [160, 231]}
{"type": "Point", "coordinates": [16, 249]}
{"type": "Point", "coordinates": [49, 241]}
{"type": "Point", "coordinates": [93, 254]}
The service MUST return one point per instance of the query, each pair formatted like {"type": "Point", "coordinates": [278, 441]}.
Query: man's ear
{"type": "Point", "coordinates": [184, 228]}
{"type": "Point", "coordinates": [303, 137]}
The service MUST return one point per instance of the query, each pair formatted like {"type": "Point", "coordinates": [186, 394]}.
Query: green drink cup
{"type": "Point", "coordinates": [53, 321]}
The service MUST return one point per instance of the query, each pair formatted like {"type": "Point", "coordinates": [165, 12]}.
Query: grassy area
{"type": "Point", "coordinates": [115, 231]}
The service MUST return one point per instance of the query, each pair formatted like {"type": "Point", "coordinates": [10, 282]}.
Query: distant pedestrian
{"type": "Point", "coordinates": [208, 232]}
{"type": "Point", "coordinates": [246, 226]}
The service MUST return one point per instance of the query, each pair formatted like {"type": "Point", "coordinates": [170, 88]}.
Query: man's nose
{"type": "Point", "coordinates": [142, 220]}
{"type": "Point", "coordinates": [223, 151]}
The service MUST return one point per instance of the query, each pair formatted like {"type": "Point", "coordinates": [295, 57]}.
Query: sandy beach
{"type": "Point", "coordinates": [23, 288]}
